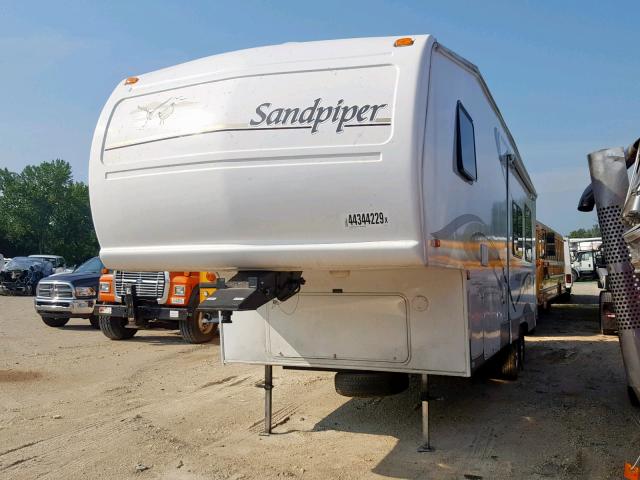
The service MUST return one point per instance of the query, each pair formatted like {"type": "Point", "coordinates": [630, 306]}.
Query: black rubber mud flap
{"type": "Point", "coordinates": [608, 325]}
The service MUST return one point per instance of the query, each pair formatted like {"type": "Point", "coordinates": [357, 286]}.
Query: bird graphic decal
{"type": "Point", "coordinates": [162, 110]}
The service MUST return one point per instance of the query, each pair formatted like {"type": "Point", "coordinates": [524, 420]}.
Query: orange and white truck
{"type": "Point", "coordinates": [131, 301]}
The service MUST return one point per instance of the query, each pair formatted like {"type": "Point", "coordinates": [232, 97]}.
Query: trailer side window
{"type": "Point", "coordinates": [465, 145]}
{"type": "Point", "coordinates": [542, 235]}
{"type": "Point", "coordinates": [551, 246]}
{"type": "Point", "coordinates": [559, 249]}
{"type": "Point", "coordinates": [517, 243]}
{"type": "Point", "coordinates": [528, 235]}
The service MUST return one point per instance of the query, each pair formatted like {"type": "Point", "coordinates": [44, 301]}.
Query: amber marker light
{"type": "Point", "coordinates": [131, 80]}
{"type": "Point", "coordinates": [210, 276]}
{"type": "Point", "coordinates": [403, 42]}
{"type": "Point", "coordinates": [632, 472]}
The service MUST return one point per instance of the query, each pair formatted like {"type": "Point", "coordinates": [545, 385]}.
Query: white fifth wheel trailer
{"type": "Point", "coordinates": [363, 198]}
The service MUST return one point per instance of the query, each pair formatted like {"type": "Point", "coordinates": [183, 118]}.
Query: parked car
{"type": "Point", "coordinates": [22, 274]}
{"type": "Point", "coordinates": [70, 295]}
{"type": "Point", "coordinates": [3, 261]}
{"type": "Point", "coordinates": [59, 263]}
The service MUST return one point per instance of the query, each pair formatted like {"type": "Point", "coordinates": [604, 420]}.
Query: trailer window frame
{"type": "Point", "coordinates": [517, 223]}
{"type": "Point", "coordinates": [528, 234]}
{"type": "Point", "coordinates": [466, 155]}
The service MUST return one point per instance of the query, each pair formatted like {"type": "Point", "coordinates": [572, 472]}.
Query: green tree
{"type": "Point", "coordinates": [586, 232]}
{"type": "Point", "coordinates": [45, 211]}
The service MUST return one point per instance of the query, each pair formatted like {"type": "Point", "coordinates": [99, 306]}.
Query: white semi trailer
{"type": "Point", "coordinates": [363, 198]}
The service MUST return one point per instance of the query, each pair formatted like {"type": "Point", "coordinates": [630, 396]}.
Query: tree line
{"type": "Point", "coordinates": [586, 232]}
{"type": "Point", "coordinates": [43, 210]}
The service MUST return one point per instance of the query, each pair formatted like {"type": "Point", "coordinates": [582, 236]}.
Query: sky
{"type": "Point", "coordinates": [565, 74]}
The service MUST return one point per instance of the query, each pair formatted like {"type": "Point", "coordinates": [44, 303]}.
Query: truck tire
{"type": "Point", "coordinates": [510, 366]}
{"type": "Point", "coordinates": [114, 328]}
{"type": "Point", "coordinates": [193, 330]}
{"type": "Point", "coordinates": [55, 321]}
{"type": "Point", "coordinates": [94, 321]}
{"type": "Point", "coordinates": [605, 306]}
{"type": "Point", "coordinates": [574, 275]}
{"type": "Point", "coordinates": [370, 384]}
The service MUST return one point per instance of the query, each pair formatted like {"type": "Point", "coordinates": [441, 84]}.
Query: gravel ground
{"type": "Point", "coordinates": [76, 405]}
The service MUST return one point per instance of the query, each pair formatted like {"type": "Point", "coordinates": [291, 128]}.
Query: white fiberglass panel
{"type": "Point", "coordinates": [287, 157]}
{"type": "Point", "coordinates": [299, 109]}
{"type": "Point", "coordinates": [407, 320]}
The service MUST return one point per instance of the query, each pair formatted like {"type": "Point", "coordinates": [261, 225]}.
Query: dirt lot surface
{"type": "Point", "coordinates": [76, 405]}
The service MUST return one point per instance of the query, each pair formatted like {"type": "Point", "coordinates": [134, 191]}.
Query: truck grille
{"type": "Point", "coordinates": [148, 284]}
{"type": "Point", "coordinates": [54, 290]}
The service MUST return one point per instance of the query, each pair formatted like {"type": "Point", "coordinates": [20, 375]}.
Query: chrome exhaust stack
{"type": "Point", "coordinates": [609, 185]}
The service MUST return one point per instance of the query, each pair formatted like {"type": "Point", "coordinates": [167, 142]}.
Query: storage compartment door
{"type": "Point", "coordinates": [354, 327]}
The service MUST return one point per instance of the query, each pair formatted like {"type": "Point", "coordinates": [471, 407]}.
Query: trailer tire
{"type": "Point", "coordinates": [55, 321]}
{"type": "Point", "coordinates": [94, 321]}
{"type": "Point", "coordinates": [370, 384]}
{"type": "Point", "coordinates": [194, 331]}
{"type": "Point", "coordinates": [114, 328]}
{"type": "Point", "coordinates": [633, 398]}
{"type": "Point", "coordinates": [522, 352]}
{"type": "Point", "coordinates": [510, 365]}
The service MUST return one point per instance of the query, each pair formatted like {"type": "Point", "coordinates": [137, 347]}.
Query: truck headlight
{"type": "Point", "coordinates": [105, 287]}
{"type": "Point", "coordinates": [85, 292]}
{"type": "Point", "coordinates": [178, 290]}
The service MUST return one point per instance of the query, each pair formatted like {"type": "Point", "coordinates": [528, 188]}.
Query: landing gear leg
{"type": "Point", "coordinates": [268, 386]}
{"type": "Point", "coordinates": [424, 399]}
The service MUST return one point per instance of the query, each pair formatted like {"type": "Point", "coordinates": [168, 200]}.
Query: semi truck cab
{"type": "Point", "coordinates": [130, 301]}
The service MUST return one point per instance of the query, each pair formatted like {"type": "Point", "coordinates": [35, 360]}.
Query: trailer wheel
{"type": "Point", "coordinates": [370, 384]}
{"type": "Point", "coordinates": [574, 275]}
{"type": "Point", "coordinates": [607, 322]}
{"type": "Point", "coordinates": [194, 330]}
{"type": "Point", "coordinates": [522, 352]}
{"type": "Point", "coordinates": [95, 323]}
{"type": "Point", "coordinates": [114, 328]}
{"type": "Point", "coordinates": [633, 398]}
{"type": "Point", "coordinates": [55, 321]}
{"type": "Point", "coordinates": [511, 361]}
